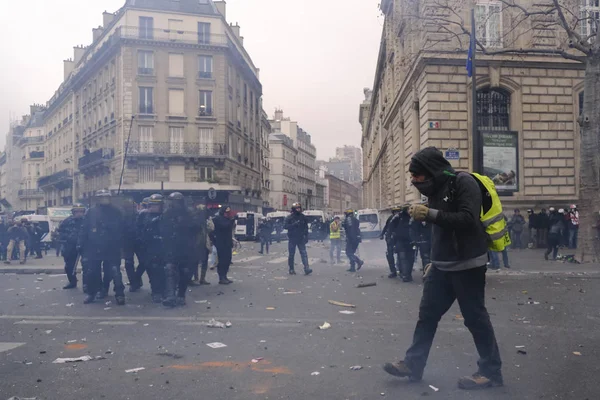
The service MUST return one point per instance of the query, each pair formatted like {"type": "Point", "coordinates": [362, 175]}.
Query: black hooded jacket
{"type": "Point", "coordinates": [458, 239]}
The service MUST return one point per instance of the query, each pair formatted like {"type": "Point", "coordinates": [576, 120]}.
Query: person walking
{"type": "Point", "coordinates": [150, 239]}
{"type": "Point", "coordinates": [573, 225]}
{"type": "Point", "coordinates": [457, 270]}
{"type": "Point", "coordinates": [201, 250]}
{"type": "Point", "coordinates": [353, 240]}
{"type": "Point", "coordinates": [100, 244]}
{"type": "Point", "coordinates": [517, 224]}
{"type": "Point", "coordinates": [335, 241]}
{"type": "Point", "coordinates": [543, 225]}
{"type": "Point", "coordinates": [532, 226]}
{"type": "Point", "coordinates": [68, 233]}
{"type": "Point", "coordinates": [297, 227]}
{"type": "Point", "coordinates": [17, 237]}
{"type": "Point", "coordinates": [403, 243]}
{"type": "Point", "coordinates": [390, 251]}
{"type": "Point", "coordinates": [265, 230]}
{"type": "Point", "coordinates": [556, 223]}
{"type": "Point", "coordinates": [223, 234]}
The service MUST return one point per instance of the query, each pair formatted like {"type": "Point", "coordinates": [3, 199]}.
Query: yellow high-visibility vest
{"type": "Point", "coordinates": [334, 231]}
{"type": "Point", "coordinates": [492, 217]}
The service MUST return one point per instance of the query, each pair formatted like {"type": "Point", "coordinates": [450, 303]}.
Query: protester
{"type": "Point", "coordinates": [573, 225]}
{"type": "Point", "coordinates": [387, 234]}
{"type": "Point", "coordinates": [223, 234]}
{"type": "Point", "coordinates": [297, 226]}
{"type": "Point", "coordinates": [335, 241]}
{"type": "Point", "coordinates": [516, 224]}
{"type": "Point", "coordinates": [17, 237]}
{"type": "Point", "coordinates": [68, 234]}
{"type": "Point", "coordinates": [533, 228]}
{"type": "Point", "coordinates": [353, 240]}
{"type": "Point", "coordinates": [556, 223]}
{"type": "Point", "coordinates": [543, 225]}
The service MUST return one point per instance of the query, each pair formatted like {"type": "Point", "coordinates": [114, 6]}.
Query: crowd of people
{"type": "Point", "coordinates": [19, 239]}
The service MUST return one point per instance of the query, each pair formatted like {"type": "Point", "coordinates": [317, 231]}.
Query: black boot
{"type": "Point", "coordinates": [120, 300]}
{"type": "Point", "coordinates": [292, 272]}
{"type": "Point", "coordinates": [71, 285]}
{"type": "Point", "coordinates": [393, 275]}
{"type": "Point", "coordinates": [307, 271]}
{"type": "Point", "coordinates": [89, 298]}
{"type": "Point", "coordinates": [180, 301]}
{"type": "Point", "coordinates": [360, 264]}
{"type": "Point", "coordinates": [203, 280]}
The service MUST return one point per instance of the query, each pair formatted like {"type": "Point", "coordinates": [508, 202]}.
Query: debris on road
{"type": "Point", "coordinates": [521, 351]}
{"type": "Point", "coordinates": [576, 353]}
{"type": "Point", "coordinates": [171, 355]}
{"type": "Point", "coordinates": [356, 368]}
{"type": "Point", "coordinates": [216, 345]}
{"type": "Point", "coordinates": [40, 279]}
{"type": "Point", "coordinates": [70, 360]}
{"type": "Point", "coordinates": [201, 301]}
{"type": "Point", "coordinates": [315, 373]}
{"type": "Point", "coordinates": [346, 312]}
{"type": "Point", "coordinates": [23, 398]}
{"type": "Point", "coordinates": [364, 285]}
{"type": "Point", "coordinates": [213, 323]}
{"type": "Point", "coordinates": [134, 370]}
{"type": "Point", "coordinates": [256, 360]}
{"type": "Point", "coordinates": [519, 347]}
{"type": "Point", "coordinates": [107, 308]}
{"type": "Point", "coordinates": [339, 303]}
{"type": "Point", "coordinates": [70, 304]}
{"type": "Point", "coordinates": [325, 325]}
{"type": "Point", "coordinates": [434, 388]}
{"type": "Point", "coordinates": [49, 331]}
{"type": "Point", "coordinates": [459, 317]}
{"type": "Point", "coordinates": [270, 308]}
{"type": "Point", "coordinates": [292, 292]}
{"type": "Point", "coordinates": [108, 303]}
{"type": "Point", "coordinates": [228, 324]}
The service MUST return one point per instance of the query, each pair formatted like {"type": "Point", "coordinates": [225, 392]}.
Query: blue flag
{"type": "Point", "coordinates": [471, 54]}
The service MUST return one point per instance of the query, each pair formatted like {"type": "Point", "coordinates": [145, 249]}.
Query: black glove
{"type": "Point", "coordinates": [380, 237]}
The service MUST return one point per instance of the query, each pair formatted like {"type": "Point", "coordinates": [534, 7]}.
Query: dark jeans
{"type": "Point", "coordinates": [112, 272]}
{"type": "Point", "coordinates": [495, 261]}
{"type": "Point", "coordinates": [405, 260]}
{"type": "Point", "coordinates": [156, 274]}
{"type": "Point", "coordinates": [516, 240]}
{"type": "Point", "coordinates": [264, 241]}
{"type": "Point", "coordinates": [440, 290]}
{"type": "Point", "coordinates": [389, 255]}
{"type": "Point", "coordinates": [70, 258]}
{"type": "Point", "coordinates": [351, 247]}
{"type": "Point", "coordinates": [573, 233]}
{"type": "Point", "coordinates": [292, 244]}
{"type": "Point", "coordinates": [224, 253]}
{"type": "Point", "coordinates": [425, 249]}
{"type": "Point", "coordinates": [553, 243]}
{"type": "Point", "coordinates": [335, 247]}
{"type": "Point", "coordinates": [542, 237]}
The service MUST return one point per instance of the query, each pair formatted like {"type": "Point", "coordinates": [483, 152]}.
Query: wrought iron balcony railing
{"type": "Point", "coordinates": [96, 157]}
{"type": "Point", "coordinates": [172, 36]}
{"type": "Point", "coordinates": [31, 193]}
{"type": "Point", "coordinates": [175, 148]}
{"type": "Point", "coordinates": [64, 175]}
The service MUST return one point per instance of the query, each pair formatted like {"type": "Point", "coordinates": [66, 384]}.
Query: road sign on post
{"type": "Point", "coordinates": [212, 193]}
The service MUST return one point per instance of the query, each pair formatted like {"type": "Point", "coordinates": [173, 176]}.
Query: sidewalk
{"type": "Point", "coordinates": [50, 264]}
{"type": "Point", "coordinates": [532, 261]}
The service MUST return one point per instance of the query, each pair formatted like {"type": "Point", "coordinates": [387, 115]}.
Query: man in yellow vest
{"type": "Point", "coordinates": [459, 246]}
{"type": "Point", "coordinates": [335, 238]}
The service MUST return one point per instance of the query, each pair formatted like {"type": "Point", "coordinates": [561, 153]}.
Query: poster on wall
{"type": "Point", "coordinates": [500, 159]}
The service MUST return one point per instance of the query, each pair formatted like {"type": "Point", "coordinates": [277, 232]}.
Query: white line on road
{"type": "Point", "coordinates": [248, 259]}
{"type": "Point", "coordinates": [6, 346]}
{"type": "Point", "coordinates": [38, 322]}
{"type": "Point", "coordinates": [117, 323]}
{"type": "Point", "coordinates": [278, 260]}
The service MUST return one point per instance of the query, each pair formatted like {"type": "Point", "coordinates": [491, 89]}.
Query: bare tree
{"type": "Point", "coordinates": [570, 29]}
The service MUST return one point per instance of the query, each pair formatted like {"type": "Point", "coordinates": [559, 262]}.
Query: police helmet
{"type": "Point", "coordinates": [145, 201]}
{"type": "Point", "coordinates": [155, 199]}
{"type": "Point", "coordinates": [396, 209]}
{"type": "Point", "coordinates": [77, 207]}
{"type": "Point", "coordinates": [296, 206]}
{"type": "Point", "coordinates": [103, 193]}
{"type": "Point", "coordinates": [349, 211]}
{"type": "Point", "coordinates": [176, 196]}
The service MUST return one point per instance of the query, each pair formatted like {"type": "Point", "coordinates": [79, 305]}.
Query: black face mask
{"type": "Point", "coordinates": [426, 188]}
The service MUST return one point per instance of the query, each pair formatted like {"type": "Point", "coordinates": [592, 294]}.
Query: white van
{"type": "Point", "coordinates": [369, 222]}
{"type": "Point", "coordinates": [278, 218]}
{"type": "Point", "coordinates": [246, 225]}
{"type": "Point", "coordinates": [44, 222]}
{"type": "Point", "coordinates": [315, 218]}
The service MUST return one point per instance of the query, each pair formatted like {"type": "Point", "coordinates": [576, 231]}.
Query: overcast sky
{"type": "Point", "coordinates": [315, 56]}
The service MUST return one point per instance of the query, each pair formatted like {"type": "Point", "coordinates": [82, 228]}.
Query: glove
{"type": "Point", "coordinates": [381, 237]}
{"type": "Point", "coordinates": [418, 212]}
{"type": "Point", "coordinates": [426, 270]}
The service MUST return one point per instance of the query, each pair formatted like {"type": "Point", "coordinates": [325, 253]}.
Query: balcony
{"type": "Point", "coordinates": [177, 149]}
{"type": "Point", "coordinates": [60, 180]}
{"type": "Point", "coordinates": [145, 71]}
{"type": "Point", "coordinates": [171, 36]}
{"type": "Point", "coordinates": [100, 157]}
{"type": "Point", "coordinates": [31, 194]}
{"type": "Point", "coordinates": [205, 75]}
{"type": "Point", "coordinates": [30, 140]}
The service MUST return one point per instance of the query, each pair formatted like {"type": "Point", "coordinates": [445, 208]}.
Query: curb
{"type": "Point", "coordinates": [32, 271]}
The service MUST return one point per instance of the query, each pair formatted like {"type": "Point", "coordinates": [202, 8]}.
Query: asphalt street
{"type": "Point", "coordinates": [274, 347]}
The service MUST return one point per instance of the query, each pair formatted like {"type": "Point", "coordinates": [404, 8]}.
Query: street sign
{"type": "Point", "coordinates": [452, 154]}
{"type": "Point", "coordinates": [212, 193]}
{"type": "Point", "coordinates": [434, 124]}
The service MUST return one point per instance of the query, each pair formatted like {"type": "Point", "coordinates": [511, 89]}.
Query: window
{"type": "Point", "coordinates": [205, 102]}
{"type": "Point", "coordinates": [206, 173]}
{"type": "Point", "coordinates": [175, 29]}
{"type": "Point", "coordinates": [176, 65]}
{"type": "Point", "coordinates": [146, 173]}
{"type": "Point", "coordinates": [589, 17]}
{"type": "Point", "coordinates": [176, 136]}
{"type": "Point", "coordinates": [205, 66]}
{"type": "Point", "coordinates": [205, 138]}
{"type": "Point", "coordinates": [146, 28]}
{"type": "Point", "coordinates": [488, 18]}
{"type": "Point", "coordinates": [146, 137]}
{"type": "Point", "coordinates": [176, 102]}
{"type": "Point", "coordinates": [146, 100]}
{"type": "Point", "coordinates": [581, 99]}
{"type": "Point", "coordinates": [203, 32]}
{"type": "Point", "coordinates": [493, 109]}
{"type": "Point", "coordinates": [145, 63]}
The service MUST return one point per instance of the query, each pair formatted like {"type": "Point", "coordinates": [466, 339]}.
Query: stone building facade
{"type": "Point", "coordinates": [341, 195]}
{"type": "Point", "coordinates": [283, 171]}
{"type": "Point", "coordinates": [527, 108]}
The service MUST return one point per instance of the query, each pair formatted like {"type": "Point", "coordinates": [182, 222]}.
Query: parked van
{"type": "Point", "coordinates": [246, 225]}
{"type": "Point", "coordinates": [316, 224]}
{"type": "Point", "coordinates": [369, 222]}
{"type": "Point", "coordinates": [278, 218]}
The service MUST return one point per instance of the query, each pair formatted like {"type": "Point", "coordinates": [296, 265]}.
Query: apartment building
{"type": "Point", "coordinates": [283, 171]}
{"type": "Point", "coordinates": [526, 106]}
{"type": "Point", "coordinates": [32, 160]}
{"type": "Point", "coordinates": [349, 159]}
{"type": "Point", "coordinates": [165, 98]}
{"type": "Point", "coordinates": [10, 163]}
{"type": "Point", "coordinates": [265, 175]}
{"type": "Point", "coordinates": [341, 195]}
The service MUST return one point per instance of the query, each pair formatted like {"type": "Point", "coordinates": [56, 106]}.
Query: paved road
{"type": "Point", "coordinates": [40, 323]}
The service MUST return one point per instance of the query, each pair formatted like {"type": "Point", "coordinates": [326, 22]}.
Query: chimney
{"type": "Point", "coordinates": [35, 108]}
{"type": "Point", "coordinates": [221, 7]}
{"type": "Point", "coordinates": [78, 52]}
{"type": "Point", "coordinates": [236, 29]}
{"type": "Point", "coordinates": [96, 32]}
{"type": "Point", "coordinates": [278, 114]}
{"type": "Point", "coordinates": [69, 66]}
{"type": "Point", "coordinates": [107, 18]}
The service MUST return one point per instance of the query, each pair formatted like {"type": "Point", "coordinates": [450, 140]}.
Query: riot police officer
{"type": "Point", "coordinates": [151, 241]}
{"type": "Point", "coordinates": [265, 229]}
{"type": "Point", "coordinates": [420, 233]}
{"type": "Point", "coordinates": [297, 227]}
{"type": "Point", "coordinates": [200, 250]}
{"type": "Point", "coordinates": [386, 234]}
{"type": "Point", "coordinates": [68, 232]}
{"type": "Point", "coordinates": [400, 227]}
{"type": "Point", "coordinates": [353, 239]}
{"type": "Point", "coordinates": [129, 244]}
{"type": "Point", "coordinates": [139, 248]}
{"type": "Point", "coordinates": [178, 232]}
{"type": "Point", "coordinates": [100, 244]}
{"type": "Point", "coordinates": [223, 234]}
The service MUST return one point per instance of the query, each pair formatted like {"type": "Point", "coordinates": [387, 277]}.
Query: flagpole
{"type": "Point", "coordinates": [476, 138]}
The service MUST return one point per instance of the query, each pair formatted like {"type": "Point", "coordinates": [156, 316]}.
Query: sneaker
{"type": "Point", "coordinates": [478, 381]}
{"type": "Point", "coordinates": [393, 275]}
{"type": "Point", "coordinates": [292, 272]}
{"type": "Point", "coordinates": [401, 370]}
{"type": "Point", "coordinates": [71, 285]}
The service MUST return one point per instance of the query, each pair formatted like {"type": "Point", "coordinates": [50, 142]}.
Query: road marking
{"type": "Point", "coordinates": [6, 346]}
{"type": "Point", "coordinates": [76, 346]}
{"type": "Point", "coordinates": [279, 325]}
{"type": "Point", "coordinates": [263, 366]}
{"type": "Point", "coordinates": [38, 322]}
{"type": "Point", "coordinates": [117, 323]}
{"type": "Point", "coordinates": [278, 260]}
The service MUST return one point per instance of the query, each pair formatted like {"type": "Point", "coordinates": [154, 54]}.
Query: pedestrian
{"type": "Point", "coordinates": [532, 228]}
{"type": "Point", "coordinates": [68, 234]}
{"type": "Point", "coordinates": [573, 225]}
{"type": "Point", "coordinates": [335, 241]}
{"type": "Point", "coordinates": [178, 231]}
{"type": "Point", "coordinates": [457, 271]}
{"type": "Point", "coordinates": [278, 229]}
{"type": "Point", "coordinates": [150, 238]}
{"type": "Point", "coordinates": [265, 228]}
{"type": "Point", "coordinates": [421, 237]}
{"type": "Point", "coordinates": [100, 245]}
{"type": "Point", "coordinates": [200, 215]}
{"type": "Point", "coordinates": [297, 227]}
{"type": "Point", "coordinates": [403, 243]}
{"type": "Point", "coordinates": [543, 225]}
{"type": "Point", "coordinates": [17, 236]}
{"type": "Point", "coordinates": [556, 223]}
{"type": "Point", "coordinates": [353, 240]}
{"type": "Point", "coordinates": [223, 234]}
{"type": "Point", "coordinates": [386, 234]}
{"type": "Point", "coordinates": [517, 224]}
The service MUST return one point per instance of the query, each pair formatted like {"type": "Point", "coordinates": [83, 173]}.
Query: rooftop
{"type": "Point", "coordinates": [183, 6]}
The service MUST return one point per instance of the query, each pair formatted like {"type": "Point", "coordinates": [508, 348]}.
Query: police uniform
{"type": "Point", "coordinates": [353, 239]}
{"type": "Point", "coordinates": [400, 227]}
{"type": "Point", "coordinates": [151, 240]}
{"type": "Point", "coordinates": [223, 235]}
{"type": "Point", "coordinates": [386, 234]}
{"type": "Point", "coordinates": [68, 233]}
{"type": "Point", "coordinates": [297, 227]}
